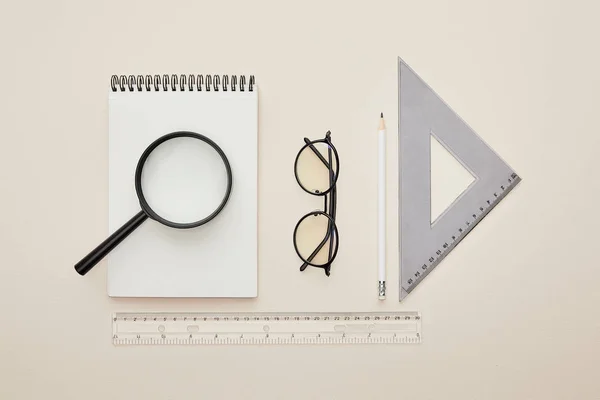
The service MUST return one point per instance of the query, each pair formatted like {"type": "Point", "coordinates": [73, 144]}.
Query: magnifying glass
{"type": "Point", "coordinates": [182, 180]}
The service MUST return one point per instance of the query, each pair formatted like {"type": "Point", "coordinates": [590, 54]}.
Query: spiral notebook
{"type": "Point", "coordinates": [218, 259]}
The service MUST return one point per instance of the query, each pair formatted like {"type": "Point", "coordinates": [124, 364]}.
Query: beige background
{"type": "Point", "coordinates": [512, 313]}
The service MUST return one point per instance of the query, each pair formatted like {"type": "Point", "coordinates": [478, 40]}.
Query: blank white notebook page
{"type": "Point", "coordinates": [218, 259]}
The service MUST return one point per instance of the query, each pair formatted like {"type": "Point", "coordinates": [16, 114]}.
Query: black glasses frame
{"type": "Point", "coordinates": [329, 207]}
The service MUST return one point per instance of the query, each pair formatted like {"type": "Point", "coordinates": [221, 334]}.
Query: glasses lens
{"type": "Point", "coordinates": [316, 168]}
{"type": "Point", "coordinates": [184, 180]}
{"type": "Point", "coordinates": [316, 239]}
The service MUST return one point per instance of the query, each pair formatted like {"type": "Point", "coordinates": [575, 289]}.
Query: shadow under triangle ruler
{"type": "Point", "coordinates": [425, 243]}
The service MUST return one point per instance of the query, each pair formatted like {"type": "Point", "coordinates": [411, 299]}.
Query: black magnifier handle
{"type": "Point", "coordinates": [88, 262]}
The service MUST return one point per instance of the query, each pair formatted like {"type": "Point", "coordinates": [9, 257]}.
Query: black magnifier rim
{"type": "Point", "coordinates": [138, 180]}
{"type": "Point", "coordinates": [336, 172]}
{"type": "Point", "coordinates": [335, 229]}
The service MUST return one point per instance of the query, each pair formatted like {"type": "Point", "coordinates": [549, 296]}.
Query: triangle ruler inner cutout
{"type": "Point", "coordinates": [426, 239]}
{"type": "Point", "coordinates": [449, 179]}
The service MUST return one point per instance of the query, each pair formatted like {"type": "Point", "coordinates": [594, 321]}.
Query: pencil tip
{"type": "Point", "coordinates": [381, 115]}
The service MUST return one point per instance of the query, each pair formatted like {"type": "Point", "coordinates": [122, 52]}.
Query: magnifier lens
{"type": "Point", "coordinates": [184, 180]}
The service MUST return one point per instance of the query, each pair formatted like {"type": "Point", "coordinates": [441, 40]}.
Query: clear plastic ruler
{"type": "Point", "coordinates": [266, 328]}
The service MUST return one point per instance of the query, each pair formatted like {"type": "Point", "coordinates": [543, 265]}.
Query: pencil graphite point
{"type": "Point", "coordinates": [381, 123]}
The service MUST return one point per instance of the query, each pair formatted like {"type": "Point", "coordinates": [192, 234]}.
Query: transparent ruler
{"type": "Point", "coordinates": [266, 328]}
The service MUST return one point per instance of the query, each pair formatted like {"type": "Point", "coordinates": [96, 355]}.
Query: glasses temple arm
{"type": "Point", "coordinates": [332, 204]}
{"type": "Point", "coordinates": [316, 251]}
{"type": "Point", "coordinates": [317, 152]}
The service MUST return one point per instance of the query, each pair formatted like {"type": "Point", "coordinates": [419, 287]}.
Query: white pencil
{"type": "Point", "coordinates": [381, 209]}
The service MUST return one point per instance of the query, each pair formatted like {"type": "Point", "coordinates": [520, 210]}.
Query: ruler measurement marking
{"type": "Point", "coordinates": [303, 340]}
{"type": "Point", "coordinates": [460, 234]}
{"type": "Point", "coordinates": [269, 328]}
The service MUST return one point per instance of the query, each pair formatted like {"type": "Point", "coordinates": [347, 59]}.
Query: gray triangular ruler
{"type": "Point", "coordinates": [423, 244]}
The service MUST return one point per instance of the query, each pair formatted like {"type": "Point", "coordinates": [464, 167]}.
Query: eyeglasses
{"type": "Point", "coordinates": [316, 234]}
